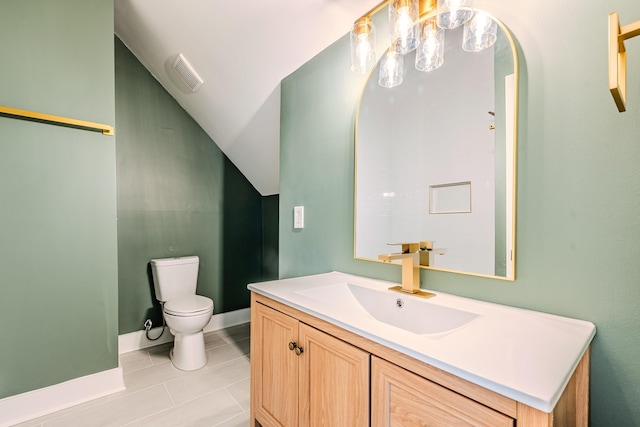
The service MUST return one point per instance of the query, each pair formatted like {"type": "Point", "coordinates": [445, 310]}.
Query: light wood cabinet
{"type": "Point", "coordinates": [276, 368]}
{"type": "Point", "coordinates": [406, 399]}
{"type": "Point", "coordinates": [304, 377]}
{"type": "Point", "coordinates": [329, 382]}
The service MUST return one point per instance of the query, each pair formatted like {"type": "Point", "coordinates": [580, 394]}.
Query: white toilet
{"type": "Point", "coordinates": [185, 313]}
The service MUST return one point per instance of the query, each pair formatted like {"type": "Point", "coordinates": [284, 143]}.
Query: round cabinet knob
{"type": "Point", "coordinates": [293, 345]}
{"type": "Point", "coordinates": [299, 350]}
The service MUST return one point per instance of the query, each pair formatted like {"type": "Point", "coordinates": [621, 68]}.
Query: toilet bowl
{"type": "Point", "coordinates": [185, 313]}
{"type": "Point", "coordinates": [186, 317]}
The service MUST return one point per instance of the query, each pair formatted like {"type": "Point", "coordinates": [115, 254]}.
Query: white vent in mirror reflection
{"type": "Point", "coordinates": [187, 73]}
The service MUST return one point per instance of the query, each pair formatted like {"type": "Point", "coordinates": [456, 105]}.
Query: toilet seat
{"type": "Point", "coordinates": [188, 305]}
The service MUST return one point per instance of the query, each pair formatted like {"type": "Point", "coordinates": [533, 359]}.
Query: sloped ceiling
{"type": "Point", "coordinates": [242, 50]}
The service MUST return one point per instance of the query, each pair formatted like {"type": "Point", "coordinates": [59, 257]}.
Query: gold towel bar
{"type": "Point", "coordinates": [58, 120]}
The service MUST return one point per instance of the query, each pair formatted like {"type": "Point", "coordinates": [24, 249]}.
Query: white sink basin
{"type": "Point", "coordinates": [525, 355]}
{"type": "Point", "coordinates": [407, 312]}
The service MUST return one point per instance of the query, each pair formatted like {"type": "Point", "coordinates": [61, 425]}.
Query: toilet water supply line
{"type": "Point", "coordinates": [148, 323]}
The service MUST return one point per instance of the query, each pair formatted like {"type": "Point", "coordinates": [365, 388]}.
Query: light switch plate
{"type": "Point", "coordinates": [298, 217]}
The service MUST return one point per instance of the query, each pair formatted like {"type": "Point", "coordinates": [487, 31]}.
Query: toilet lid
{"type": "Point", "coordinates": [188, 305]}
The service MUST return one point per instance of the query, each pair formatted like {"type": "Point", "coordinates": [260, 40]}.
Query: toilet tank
{"type": "Point", "coordinates": [174, 277]}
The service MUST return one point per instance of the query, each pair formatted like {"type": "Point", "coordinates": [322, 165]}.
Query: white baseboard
{"type": "Point", "coordinates": [138, 340]}
{"type": "Point", "coordinates": [228, 319]}
{"type": "Point", "coordinates": [43, 401]}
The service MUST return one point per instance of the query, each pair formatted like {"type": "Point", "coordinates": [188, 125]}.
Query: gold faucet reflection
{"type": "Point", "coordinates": [412, 255]}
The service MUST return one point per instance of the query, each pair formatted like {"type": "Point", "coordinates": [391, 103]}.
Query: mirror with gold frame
{"type": "Point", "coordinates": [435, 161]}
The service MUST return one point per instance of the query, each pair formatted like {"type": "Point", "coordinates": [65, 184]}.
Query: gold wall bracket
{"type": "Point", "coordinates": [618, 58]}
{"type": "Point", "coordinates": [56, 120]}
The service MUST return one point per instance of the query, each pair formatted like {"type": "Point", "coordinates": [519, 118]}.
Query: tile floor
{"type": "Point", "coordinates": [158, 394]}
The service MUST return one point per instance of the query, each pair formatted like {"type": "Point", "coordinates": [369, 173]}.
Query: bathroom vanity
{"type": "Point", "coordinates": [342, 350]}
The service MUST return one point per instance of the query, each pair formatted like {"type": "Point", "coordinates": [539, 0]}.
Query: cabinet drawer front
{"type": "Point", "coordinates": [334, 381]}
{"type": "Point", "coordinates": [276, 370]}
{"type": "Point", "coordinates": [401, 398]}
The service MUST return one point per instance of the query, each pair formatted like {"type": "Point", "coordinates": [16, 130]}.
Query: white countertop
{"type": "Point", "coordinates": [525, 355]}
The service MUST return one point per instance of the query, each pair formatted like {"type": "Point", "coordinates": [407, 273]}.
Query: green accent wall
{"type": "Point", "coordinates": [179, 195]}
{"type": "Point", "coordinates": [58, 260]}
{"type": "Point", "coordinates": [578, 227]}
{"type": "Point", "coordinates": [270, 221]}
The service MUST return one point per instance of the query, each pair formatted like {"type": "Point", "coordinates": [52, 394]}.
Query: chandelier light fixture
{"type": "Point", "coordinates": [418, 25]}
{"type": "Point", "coordinates": [453, 13]}
{"type": "Point", "coordinates": [363, 45]}
{"type": "Point", "coordinates": [479, 33]}
{"type": "Point", "coordinates": [430, 53]}
{"type": "Point", "coordinates": [402, 17]}
{"type": "Point", "coordinates": [391, 68]}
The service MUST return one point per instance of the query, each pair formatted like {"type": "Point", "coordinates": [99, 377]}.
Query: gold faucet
{"type": "Point", "coordinates": [411, 257]}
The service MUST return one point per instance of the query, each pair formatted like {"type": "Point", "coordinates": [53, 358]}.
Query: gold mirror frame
{"type": "Point", "coordinates": [512, 260]}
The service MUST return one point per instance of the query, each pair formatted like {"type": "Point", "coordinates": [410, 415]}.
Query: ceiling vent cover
{"type": "Point", "coordinates": [187, 73]}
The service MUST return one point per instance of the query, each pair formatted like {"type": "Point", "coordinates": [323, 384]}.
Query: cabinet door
{"type": "Point", "coordinates": [274, 368]}
{"type": "Point", "coordinates": [401, 398]}
{"type": "Point", "coordinates": [334, 381]}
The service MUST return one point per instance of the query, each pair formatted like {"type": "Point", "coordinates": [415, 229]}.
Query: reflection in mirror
{"type": "Point", "coordinates": [435, 160]}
